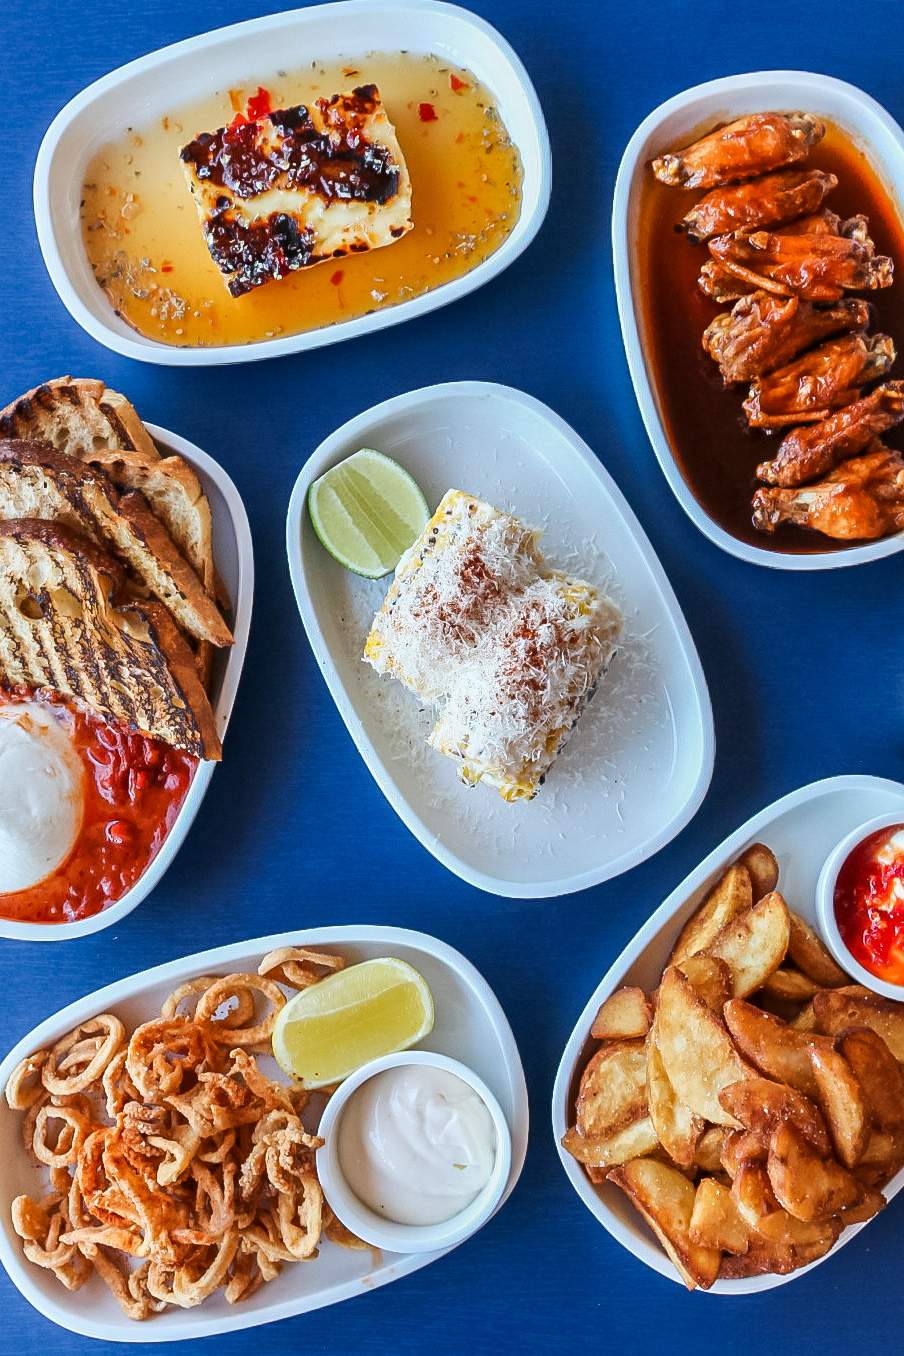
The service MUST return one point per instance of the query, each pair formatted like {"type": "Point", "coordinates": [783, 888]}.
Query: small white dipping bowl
{"type": "Point", "coordinates": [825, 905]}
{"type": "Point", "coordinates": [377, 1229]}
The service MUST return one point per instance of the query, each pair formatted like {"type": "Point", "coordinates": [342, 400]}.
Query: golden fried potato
{"type": "Point", "coordinates": [753, 944]}
{"type": "Point", "coordinates": [779, 1050]}
{"type": "Point", "coordinates": [732, 894]}
{"type": "Point", "coordinates": [762, 868]}
{"type": "Point", "coordinates": [613, 1090]}
{"type": "Point", "coordinates": [709, 977]}
{"type": "Point", "coordinates": [882, 1158]}
{"type": "Point", "coordinates": [807, 1186]}
{"type": "Point", "coordinates": [760, 1105]}
{"type": "Point", "coordinates": [873, 1201]}
{"type": "Point", "coordinates": [715, 1222]}
{"type": "Point", "coordinates": [805, 1019]}
{"type": "Point", "coordinates": [765, 1258]}
{"type": "Point", "coordinates": [665, 1198]}
{"type": "Point", "coordinates": [623, 1015]}
{"type": "Point", "coordinates": [810, 954]}
{"type": "Point", "coordinates": [678, 1128]}
{"type": "Point", "coordinates": [607, 1151]}
{"type": "Point", "coordinates": [696, 1050]}
{"type": "Point", "coordinates": [788, 985]}
{"type": "Point", "coordinates": [752, 1193]}
{"type": "Point", "coordinates": [839, 1008]}
{"type": "Point", "coordinates": [843, 1104]}
{"type": "Point", "coordinates": [742, 1146]}
{"type": "Point", "coordinates": [878, 1073]}
{"type": "Point", "coordinates": [708, 1154]}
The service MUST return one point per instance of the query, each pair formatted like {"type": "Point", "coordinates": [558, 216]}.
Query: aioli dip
{"type": "Point", "coordinates": [416, 1144]}
{"type": "Point", "coordinates": [869, 903]}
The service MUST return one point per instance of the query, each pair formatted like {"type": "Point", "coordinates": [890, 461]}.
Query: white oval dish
{"type": "Point", "coordinates": [800, 828]}
{"type": "Point", "coordinates": [234, 558]}
{"type": "Point", "coordinates": [674, 123]}
{"type": "Point", "coordinates": [240, 54]}
{"type": "Point", "coordinates": [470, 1026]}
{"type": "Point", "coordinates": [379, 1230]}
{"type": "Point", "coordinates": [641, 758]}
{"type": "Point", "coordinates": [825, 906]}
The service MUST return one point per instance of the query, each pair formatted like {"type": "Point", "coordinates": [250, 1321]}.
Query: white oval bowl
{"type": "Point", "coordinates": [617, 794]}
{"type": "Point", "coordinates": [234, 558]}
{"type": "Point", "coordinates": [470, 1027]}
{"type": "Point", "coordinates": [377, 1229]}
{"type": "Point", "coordinates": [237, 55]}
{"type": "Point", "coordinates": [672, 124]}
{"type": "Point", "coordinates": [800, 829]}
{"type": "Point", "coordinates": [825, 906]}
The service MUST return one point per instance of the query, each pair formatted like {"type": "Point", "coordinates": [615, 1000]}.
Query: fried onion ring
{"type": "Point", "coordinates": [298, 968]}
{"type": "Point", "coordinates": [230, 986]}
{"type": "Point", "coordinates": [79, 1059]}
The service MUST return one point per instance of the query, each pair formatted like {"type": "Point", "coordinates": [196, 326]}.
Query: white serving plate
{"type": "Point", "coordinates": [674, 123]}
{"type": "Point", "coordinates": [235, 563]}
{"type": "Point", "coordinates": [470, 1027]}
{"type": "Point", "coordinates": [242, 54]}
{"type": "Point", "coordinates": [641, 758]}
{"type": "Point", "coordinates": [801, 829]}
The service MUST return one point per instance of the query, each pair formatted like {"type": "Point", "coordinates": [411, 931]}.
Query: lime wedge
{"type": "Point", "coordinates": [367, 511]}
{"type": "Point", "coordinates": [327, 1031]}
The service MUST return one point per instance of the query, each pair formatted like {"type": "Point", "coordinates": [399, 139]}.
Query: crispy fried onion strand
{"type": "Point", "coordinates": [176, 1166]}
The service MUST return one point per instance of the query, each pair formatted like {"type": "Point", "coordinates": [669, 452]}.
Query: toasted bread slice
{"type": "Point", "coordinates": [38, 482]}
{"type": "Point", "coordinates": [61, 627]}
{"type": "Point", "coordinates": [84, 419]}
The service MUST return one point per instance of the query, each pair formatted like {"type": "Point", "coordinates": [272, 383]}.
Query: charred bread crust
{"type": "Point", "coordinates": [22, 417]}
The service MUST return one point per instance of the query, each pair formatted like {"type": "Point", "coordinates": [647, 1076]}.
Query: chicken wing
{"type": "Point", "coordinates": [818, 266]}
{"type": "Point", "coordinates": [717, 283]}
{"type": "Point", "coordinates": [821, 381]}
{"type": "Point", "coordinates": [808, 452]}
{"type": "Point", "coordinates": [861, 500]}
{"type": "Point", "coordinates": [764, 332]}
{"type": "Point", "coordinates": [769, 201]}
{"type": "Point", "coordinates": [740, 150]}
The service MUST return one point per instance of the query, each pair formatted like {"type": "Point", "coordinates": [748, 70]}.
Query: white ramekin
{"type": "Point", "coordinates": [825, 905]}
{"type": "Point", "coordinates": [376, 1229]}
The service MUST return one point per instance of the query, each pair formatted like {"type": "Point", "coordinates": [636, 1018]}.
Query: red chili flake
{"type": "Point", "coordinates": [259, 104]}
{"type": "Point", "coordinates": [457, 84]}
{"type": "Point", "coordinates": [426, 113]}
{"type": "Point", "coordinates": [460, 138]}
{"type": "Point", "coordinates": [336, 278]}
{"type": "Point", "coordinates": [166, 266]}
{"type": "Point", "coordinates": [471, 197]}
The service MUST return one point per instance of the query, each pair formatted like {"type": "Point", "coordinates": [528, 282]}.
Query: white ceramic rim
{"type": "Point", "coordinates": [238, 522]}
{"type": "Point", "coordinates": [20, 1271]}
{"type": "Point", "coordinates": [640, 375]}
{"type": "Point", "coordinates": [323, 457]}
{"type": "Point", "coordinates": [150, 351]}
{"type": "Point", "coordinates": [386, 1233]}
{"type": "Point", "coordinates": [653, 1256]}
{"type": "Point", "coordinates": [825, 906]}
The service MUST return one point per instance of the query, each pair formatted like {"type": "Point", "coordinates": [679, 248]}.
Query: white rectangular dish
{"type": "Point", "coordinates": [675, 123]}
{"type": "Point", "coordinates": [470, 1027]}
{"type": "Point", "coordinates": [801, 829]}
{"type": "Point", "coordinates": [234, 558]}
{"type": "Point", "coordinates": [641, 757]}
{"type": "Point", "coordinates": [244, 53]}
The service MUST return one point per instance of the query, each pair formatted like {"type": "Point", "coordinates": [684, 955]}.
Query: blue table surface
{"type": "Point", "coordinates": [804, 670]}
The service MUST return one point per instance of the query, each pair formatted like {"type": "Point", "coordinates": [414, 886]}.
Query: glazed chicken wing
{"type": "Point", "coordinates": [820, 267]}
{"type": "Point", "coordinates": [716, 282]}
{"type": "Point", "coordinates": [769, 201]}
{"type": "Point", "coordinates": [861, 500]}
{"type": "Point", "coordinates": [821, 381]}
{"type": "Point", "coordinates": [740, 150]}
{"type": "Point", "coordinates": [764, 332]}
{"type": "Point", "coordinates": [808, 452]}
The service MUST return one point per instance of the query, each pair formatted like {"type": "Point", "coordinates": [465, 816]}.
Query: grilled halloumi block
{"type": "Point", "coordinates": [299, 186]}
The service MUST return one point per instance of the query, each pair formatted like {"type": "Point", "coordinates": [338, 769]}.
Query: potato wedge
{"type": "Point", "coordinates": [665, 1198]}
{"type": "Point", "coordinates": [760, 1105]}
{"type": "Point", "coordinates": [731, 894]}
{"type": "Point", "coordinates": [624, 1014]}
{"type": "Point", "coordinates": [740, 1147]}
{"type": "Point", "coordinates": [878, 1073]}
{"type": "Point", "coordinates": [608, 1151]}
{"type": "Point", "coordinates": [696, 1049]}
{"type": "Point", "coordinates": [882, 1158]}
{"type": "Point", "coordinates": [613, 1090]}
{"type": "Point", "coordinates": [708, 1154]}
{"type": "Point", "coordinates": [779, 1050]}
{"type": "Point", "coordinates": [873, 1201]}
{"type": "Point", "coordinates": [788, 985]}
{"type": "Point", "coordinates": [811, 956]}
{"type": "Point", "coordinates": [677, 1126]}
{"type": "Point", "coordinates": [709, 977]}
{"type": "Point", "coordinates": [805, 1019]}
{"type": "Point", "coordinates": [753, 944]}
{"type": "Point", "coordinates": [762, 868]}
{"type": "Point", "coordinates": [807, 1186]}
{"type": "Point", "coordinates": [843, 1103]}
{"type": "Point", "coordinates": [784, 1231]}
{"type": "Point", "coordinates": [840, 1008]}
{"type": "Point", "coordinates": [764, 1257]}
{"type": "Point", "coordinates": [751, 1191]}
{"type": "Point", "coordinates": [715, 1222]}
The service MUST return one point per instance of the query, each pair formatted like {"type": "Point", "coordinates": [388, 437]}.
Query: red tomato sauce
{"type": "Point", "coordinates": [869, 913]}
{"type": "Point", "coordinates": [134, 787]}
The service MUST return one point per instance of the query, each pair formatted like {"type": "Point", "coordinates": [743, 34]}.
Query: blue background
{"type": "Point", "coordinates": [804, 670]}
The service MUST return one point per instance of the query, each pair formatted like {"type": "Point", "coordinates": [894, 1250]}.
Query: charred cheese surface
{"type": "Point", "coordinates": [299, 186]}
